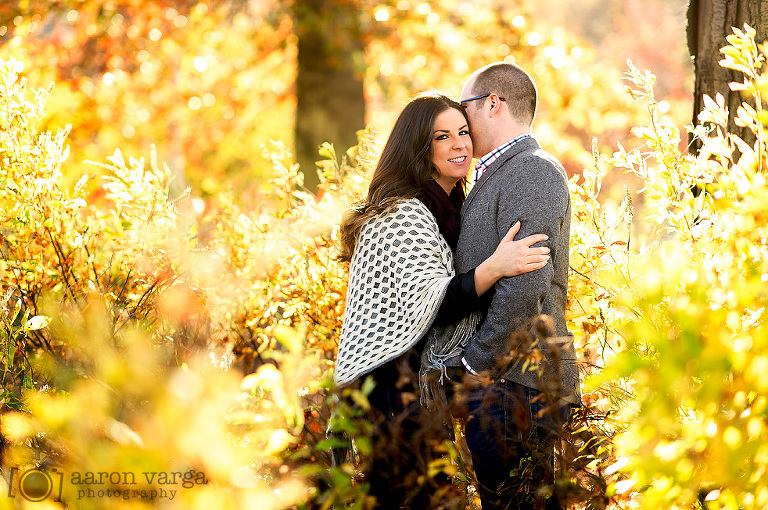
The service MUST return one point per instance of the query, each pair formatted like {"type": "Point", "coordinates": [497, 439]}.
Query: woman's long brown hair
{"type": "Point", "coordinates": [405, 165]}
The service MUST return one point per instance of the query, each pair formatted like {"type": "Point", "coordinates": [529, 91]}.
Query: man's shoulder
{"type": "Point", "coordinates": [531, 167]}
{"type": "Point", "coordinates": [534, 155]}
{"type": "Point", "coordinates": [548, 160]}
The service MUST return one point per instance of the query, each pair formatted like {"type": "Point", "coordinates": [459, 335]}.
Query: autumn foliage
{"type": "Point", "coordinates": [146, 328]}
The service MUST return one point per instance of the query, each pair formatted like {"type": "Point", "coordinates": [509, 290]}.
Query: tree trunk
{"type": "Point", "coordinates": [329, 85]}
{"type": "Point", "coordinates": [709, 22]}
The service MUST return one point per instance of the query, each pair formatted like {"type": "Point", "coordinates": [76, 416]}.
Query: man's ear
{"type": "Point", "coordinates": [495, 107]}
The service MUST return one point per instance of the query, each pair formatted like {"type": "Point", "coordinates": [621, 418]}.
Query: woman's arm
{"type": "Point", "coordinates": [511, 258]}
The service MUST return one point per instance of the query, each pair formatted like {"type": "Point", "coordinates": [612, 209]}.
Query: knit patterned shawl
{"type": "Point", "coordinates": [398, 277]}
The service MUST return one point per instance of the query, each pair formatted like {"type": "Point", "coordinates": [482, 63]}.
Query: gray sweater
{"type": "Point", "coordinates": [530, 185]}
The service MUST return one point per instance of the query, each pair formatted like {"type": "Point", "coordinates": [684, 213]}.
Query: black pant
{"type": "Point", "coordinates": [403, 443]}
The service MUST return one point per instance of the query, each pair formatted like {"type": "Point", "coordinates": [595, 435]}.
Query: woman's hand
{"type": "Point", "coordinates": [511, 258]}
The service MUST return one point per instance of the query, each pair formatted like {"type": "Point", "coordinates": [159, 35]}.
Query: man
{"type": "Point", "coordinates": [518, 415]}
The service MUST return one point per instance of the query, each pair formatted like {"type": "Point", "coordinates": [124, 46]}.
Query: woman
{"type": "Point", "coordinates": [400, 244]}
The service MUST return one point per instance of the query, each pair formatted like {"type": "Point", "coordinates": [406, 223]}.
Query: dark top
{"type": "Point", "coordinates": [446, 210]}
{"type": "Point", "coordinates": [460, 296]}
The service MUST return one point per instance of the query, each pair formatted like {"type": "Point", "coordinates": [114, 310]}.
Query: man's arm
{"type": "Point", "coordinates": [537, 197]}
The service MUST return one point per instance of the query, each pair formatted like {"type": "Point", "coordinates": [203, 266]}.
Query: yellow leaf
{"type": "Point", "coordinates": [37, 322]}
{"type": "Point", "coordinates": [621, 487]}
{"type": "Point", "coordinates": [278, 441]}
{"type": "Point", "coordinates": [16, 426]}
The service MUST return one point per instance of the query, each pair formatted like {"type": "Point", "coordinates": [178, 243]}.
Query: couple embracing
{"type": "Point", "coordinates": [456, 302]}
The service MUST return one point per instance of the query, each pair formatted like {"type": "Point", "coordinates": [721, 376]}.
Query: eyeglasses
{"type": "Point", "coordinates": [463, 101]}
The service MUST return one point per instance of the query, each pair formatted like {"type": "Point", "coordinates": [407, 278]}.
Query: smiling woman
{"type": "Point", "coordinates": [451, 149]}
{"type": "Point", "coordinates": [400, 244]}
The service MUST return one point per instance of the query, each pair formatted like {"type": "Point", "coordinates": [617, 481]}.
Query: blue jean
{"type": "Point", "coordinates": [511, 434]}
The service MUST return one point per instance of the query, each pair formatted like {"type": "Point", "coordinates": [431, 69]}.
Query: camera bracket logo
{"type": "Point", "coordinates": [35, 484]}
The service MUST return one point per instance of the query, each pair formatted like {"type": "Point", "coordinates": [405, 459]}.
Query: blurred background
{"type": "Point", "coordinates": [145, 328]}
{"type": "Point", "coordinates": [211, 82]}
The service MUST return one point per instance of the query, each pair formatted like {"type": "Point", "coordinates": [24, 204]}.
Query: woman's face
{"type": "Point", "coordinates": [451, 148]}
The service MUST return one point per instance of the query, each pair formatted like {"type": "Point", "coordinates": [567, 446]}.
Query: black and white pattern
{"type": "Point", "coordinates": [398, 277]}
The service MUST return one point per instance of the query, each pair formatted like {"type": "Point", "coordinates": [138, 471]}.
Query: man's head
{"type": "Point", "coordinates": [500, 100]}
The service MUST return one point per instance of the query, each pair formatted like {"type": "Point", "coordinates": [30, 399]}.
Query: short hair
{"type": "Point", "coordinates": [511, 82]}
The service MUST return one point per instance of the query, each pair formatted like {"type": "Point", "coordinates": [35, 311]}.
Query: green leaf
{"type": "Point", "coordinates": [12, 400]}
{"type": "Point", "coordinates": [16, 312]}
{"type": "Point", "coordinates": [327, 151]}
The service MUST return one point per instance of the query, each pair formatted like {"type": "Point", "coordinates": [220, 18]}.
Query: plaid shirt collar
{"type": "Point", "coordinates": [484, 162]}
